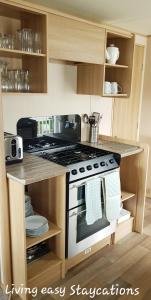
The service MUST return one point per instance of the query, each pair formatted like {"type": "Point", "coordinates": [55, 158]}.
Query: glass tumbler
{"type": "Point", "coordinates": [27, 40]}
{"type": "Point", "coordinates": [37, 42]}
{"type": "Point", "coordinates": [4, 76]}
{"type": "Point", "coordinates": [11, 81]}
{"type": "Point", "coordinates": [18, 40]}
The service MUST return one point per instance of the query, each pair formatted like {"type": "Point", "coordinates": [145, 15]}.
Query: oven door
{"type": "Point", "coordinates": [82, 236]}
{"type": "Point", "coordinates": [77, 192]}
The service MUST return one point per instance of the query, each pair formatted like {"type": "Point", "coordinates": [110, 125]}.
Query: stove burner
{"type": "Point", "coordinates": [79, 153]}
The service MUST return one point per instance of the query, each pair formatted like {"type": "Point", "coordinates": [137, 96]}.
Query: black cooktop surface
{"type": "Point", "coordinates": [74, 154]}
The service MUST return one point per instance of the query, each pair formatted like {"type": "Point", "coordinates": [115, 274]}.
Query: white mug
{"type": "Point", "coordinates": [112, 54]}
{"type": "Point", "coordinates": [115, 88]}
{"type": "Point", "coordinates": [107, 87]}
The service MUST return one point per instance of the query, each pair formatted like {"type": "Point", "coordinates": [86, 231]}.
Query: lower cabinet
{"type": "Point", "coordinates": [48, 200]}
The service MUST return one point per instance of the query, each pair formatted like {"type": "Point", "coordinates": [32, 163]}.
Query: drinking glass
{"type": "Point", "coordinates": [26, 81]}
{"type": "Point", "coordinates": [18, 40]}
{"type": "Point", "coordinates": [1, 40]}
{"type": "Point", "coordinates": [27, 39]}
{"type": "Point", "coordinates": [11, 81]}
{"type": "Point", "coordinates": [37, 42]}
{"type": "Point", "coordinates": [4, 76]}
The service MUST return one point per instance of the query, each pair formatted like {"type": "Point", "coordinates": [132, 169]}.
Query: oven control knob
{"type": "Point", "coordinates": [89, 167]}
{"type": "Point", "coordinates": [111, 161]}
{"type": "Point", "coordinates": [82, 170]}
{"type": "Point", "coordinates": [102, 163]}
{"type": "Point", "coordinates": [74, 172]}
{"type": "Point", "coordinates": [96, 166]}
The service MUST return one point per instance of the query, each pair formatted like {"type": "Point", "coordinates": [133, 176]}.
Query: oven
{"type": "Point", "coordinates": [80, 236]}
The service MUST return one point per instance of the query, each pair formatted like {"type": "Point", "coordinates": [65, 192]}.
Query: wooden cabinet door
{"type": "Point", "coordinates": [74, 40]}
{"type": "Point", "coordinates": [5, 255]}
{"type": "Point", "coordinates": [126, 112]}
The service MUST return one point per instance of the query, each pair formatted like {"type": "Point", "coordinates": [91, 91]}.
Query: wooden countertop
{"type": "Point", "coordinates": [125, 149]}
{"type": "Point", "coordinates": [34, 169]}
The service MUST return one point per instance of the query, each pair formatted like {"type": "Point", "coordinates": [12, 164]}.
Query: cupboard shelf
{"type": "Point", "coordinates": [53, 230]}
{"type": "Point", "coordinates": [14, 18]}
{"type": "Point", "coordinates": [114, 95]}
{"type": "Point", "coordinates": [91, 77]}
{"type": "Point", "coordinates": [41, 266]}
{"type": "Point", "coordinates": [18, 53]}
{"type": "Point", "coordinates": [115, 66]}
{"type": "Point", "coordinates": [126, 196]}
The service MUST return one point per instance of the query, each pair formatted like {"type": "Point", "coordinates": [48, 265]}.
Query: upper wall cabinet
{"type": "Point", "coordinates": [111, 79]}
{"type": "Point", "coordinates": [74, 40]}
{"type": "Point", "coordinates": [23, 50]}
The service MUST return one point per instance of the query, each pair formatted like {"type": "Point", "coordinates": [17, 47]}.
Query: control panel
{"type": "Point", "coordinates": [94, 166]}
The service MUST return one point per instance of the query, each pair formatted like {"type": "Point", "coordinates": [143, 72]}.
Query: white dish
{"type": "Point", "coordinates": [35, 222]}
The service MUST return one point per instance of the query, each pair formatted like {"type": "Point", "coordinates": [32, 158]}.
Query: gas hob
{"type": "Point", "coordinates": [81, 160]}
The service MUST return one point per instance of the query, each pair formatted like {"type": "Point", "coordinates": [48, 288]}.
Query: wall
{"type": "Point", "coordinates": [61, 99]}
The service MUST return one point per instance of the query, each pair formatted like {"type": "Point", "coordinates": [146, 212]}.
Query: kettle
{"type": "Point", "coordinates": [93, 121]}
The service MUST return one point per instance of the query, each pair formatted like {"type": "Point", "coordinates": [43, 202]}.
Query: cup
{"type": "Point", "coordinates": [107, 87]}
{"type": "Point", "coordinates": [115, 88]}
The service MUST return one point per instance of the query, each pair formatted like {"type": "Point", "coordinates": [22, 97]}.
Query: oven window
{"type": "Point", "coordinates": [84, 230]}
{"type": "Point", "coordinates": [81, 194]}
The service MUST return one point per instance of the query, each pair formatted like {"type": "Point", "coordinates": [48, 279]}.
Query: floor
{"type": "Point", "coordinates": [126, 266]}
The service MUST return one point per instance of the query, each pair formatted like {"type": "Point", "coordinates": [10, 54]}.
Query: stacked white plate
{"type": "Point", "coordinates": [28, 206]}
{"type": "Point", "coordinates": [36, 225]}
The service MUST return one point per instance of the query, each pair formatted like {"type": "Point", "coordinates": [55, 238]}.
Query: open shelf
{"type": "Point", "coordinates": [53, 230]}
{"type": "Point", "coordinates": [114, 95]}
{"type": "Point", "coordinates": [12, 19]}
{"type": "Point", "coordinates": [126, 196]}
{"type": "Point", "coordinates": [42, 266]}
{"type": "Point", "coordinates": [115, 66]}
{"type": "Point", "coordinates": [18, 53]}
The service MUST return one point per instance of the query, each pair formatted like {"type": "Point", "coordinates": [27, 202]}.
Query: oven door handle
{"type": "Point", "coordinates": [76, 213]}
{"type": "Point", "coordinates": [77, 186]}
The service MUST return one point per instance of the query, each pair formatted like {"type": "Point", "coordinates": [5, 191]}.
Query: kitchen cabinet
{"type": "Point", "coordinates": [45, 183]}
{"type": "Point", "coordinates": [13, 18]}
{"type": "Point", "coordinates": [91, 77]}
{"type": "Point", "coordinates": [126, 113]}
{"type": "Point", "coordinates": [5, 252]}
{"type": "Point", "coordinates": [73, 40]}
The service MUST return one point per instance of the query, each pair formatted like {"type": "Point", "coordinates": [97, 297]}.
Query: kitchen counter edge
{"type": "Point", "coordinates": [34, 169]}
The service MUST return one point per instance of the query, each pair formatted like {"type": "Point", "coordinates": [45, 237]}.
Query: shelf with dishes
{"type": "Point", "coordinates": [113, 78]}
{"type": "Point", "coordinates": [18, 74]}
{"type": "Point", "coordinates": [23, 46]}
{"type": "Point", "coordinates": [52, 231]}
